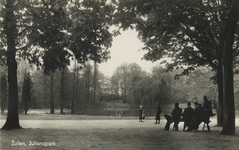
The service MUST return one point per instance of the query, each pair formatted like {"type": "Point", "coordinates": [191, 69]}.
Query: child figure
{"type": "Point", "coordinates": [141, 114]}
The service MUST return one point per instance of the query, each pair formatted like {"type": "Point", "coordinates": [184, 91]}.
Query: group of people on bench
{"type": "Point", "coordinates": [192, 117]}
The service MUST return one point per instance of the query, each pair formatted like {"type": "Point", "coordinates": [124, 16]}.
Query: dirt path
{"type": "Point", "coordinates": [112, 135]}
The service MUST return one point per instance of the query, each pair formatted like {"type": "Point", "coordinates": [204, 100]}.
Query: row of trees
{"type": "Point", "coordinates": [54, 90]}
{"type": "Point", "coordinates": [161, 86]}
{"type": "Point", "coordinates": [75, 88]}
{"type": "Point", "coordinates": [138, 88]}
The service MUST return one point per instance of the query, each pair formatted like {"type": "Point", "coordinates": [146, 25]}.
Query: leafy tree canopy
{"type": "Point", "coordinates": [48, 33]}
{"type": "Point", "coordinates": [188, 32]}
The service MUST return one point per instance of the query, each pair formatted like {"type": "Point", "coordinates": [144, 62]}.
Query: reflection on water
{"type": "Point", "coordinates": [121, 112]}
{"type": "Point", "coordinates": [111, 109]}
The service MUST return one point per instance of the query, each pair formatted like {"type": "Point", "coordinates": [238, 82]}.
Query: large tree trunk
{"type": "Point", "coordinates": [228, 91]}
{"type": "Point", "coordinates": [12, 114]}
{"type": "Point", "coordinates": [3, 92]}
{"type": "Point", "coordinates": [220, 97]}
{"type": "Point", "coordinates": [228, 97]}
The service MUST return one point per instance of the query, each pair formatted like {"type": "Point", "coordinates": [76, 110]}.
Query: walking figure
{"type": "Point", "coordinates": [141, 114]}
{"type": "Point", "coordinates": [157, 117]}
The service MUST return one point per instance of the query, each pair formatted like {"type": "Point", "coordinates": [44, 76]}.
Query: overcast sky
{"type": "Point", "coordinates": [125, 48]}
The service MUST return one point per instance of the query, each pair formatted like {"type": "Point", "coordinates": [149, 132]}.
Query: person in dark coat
{"type": "Point", "coordinates": [187, 116]}
{"type": "Point", "coordinates": [199, 116]}
{"type": "Point", "coordinates": [157, 117]}
{"type": "Point", "coordinates": [176, 114]}
{"type": "Point", "coordinates": [207, 106]}
{"type": "Point", "coordinates": [140, 114]}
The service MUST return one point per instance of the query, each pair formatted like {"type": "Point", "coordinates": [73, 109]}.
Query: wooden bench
{"type": "Point", "coordinates": [206, 123]}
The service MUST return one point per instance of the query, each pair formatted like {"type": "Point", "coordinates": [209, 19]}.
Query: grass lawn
{"type": "Point", "coordinates": [79, 132]}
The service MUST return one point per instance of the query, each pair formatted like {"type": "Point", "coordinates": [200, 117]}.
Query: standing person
{"type": "Point", "coordinates": [140, 113]}
{"type": "Point", "coordinates": [187, 116]}
{"type": "Point", "coordinates": [207, 106]}
{"type": "Point", "coordinates": [176, 114]}
{"type": "Point", "coordinates": [157, 117]}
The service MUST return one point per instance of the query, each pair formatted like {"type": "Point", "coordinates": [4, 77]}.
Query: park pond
{"type": "Point", "coordinates": [120, 112]}
{"type": "Point", "coordinates": [109, 111]}
{"type": "Point", "coordinates": [125, 110]}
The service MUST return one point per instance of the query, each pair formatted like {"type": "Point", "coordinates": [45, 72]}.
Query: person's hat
{"type": "Point", "coordinates": [140, 106]}
{"type": "Point", "coordinates": [196, 103]}
{"type": "Point", "coordinates": [189, 103]}
{"type": "Point", "coordinates": [177, 103]}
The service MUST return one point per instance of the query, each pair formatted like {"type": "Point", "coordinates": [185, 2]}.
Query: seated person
{"type": "Point", "coordinates": [199, 116]}
{"type": "Point", "coordinates": [176, 113]}
{"type": "Point", "coordinates": [187, 116]}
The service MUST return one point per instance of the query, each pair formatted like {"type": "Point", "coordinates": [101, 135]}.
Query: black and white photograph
{"type": "Point", "coordinates": [119, 74]}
